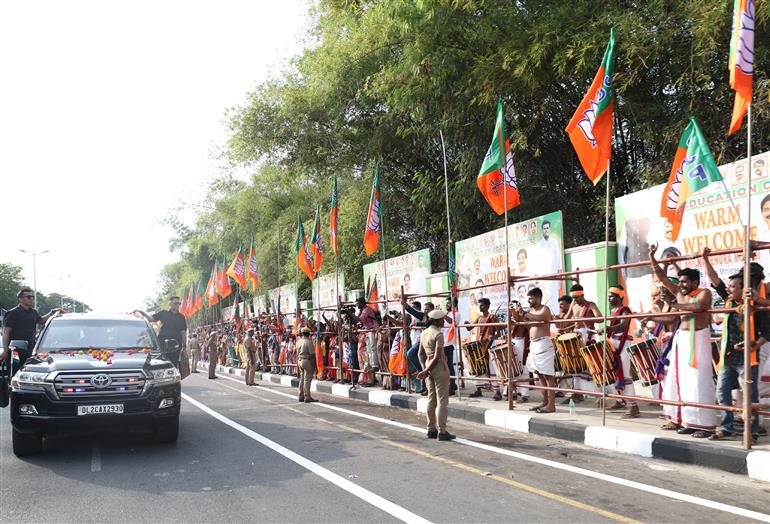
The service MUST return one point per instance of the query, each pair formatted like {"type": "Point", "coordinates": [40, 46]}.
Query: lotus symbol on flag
{"type": "Point", "coordinates": [509, 172]}
{"type": "Point", "coordinates": [586, 125]}
{"type": "Point", "coordinates": [745, 54]}
{"type": "Point", "coordinates": [374, 216]}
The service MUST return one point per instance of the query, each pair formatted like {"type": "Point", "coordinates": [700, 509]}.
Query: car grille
{"type": "Point", "coordinates": [121, 384]}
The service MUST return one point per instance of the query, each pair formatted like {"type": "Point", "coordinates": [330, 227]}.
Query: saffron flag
{"type": "Point", "coordinates": [199, 296]}
{"type": "Point", "coordinates": [183, 306]}
{"type": "Point", "coordinates": [590, 129]}
{"type": "Point", "coordinates": [374, 296]}
{"type": "Point", "coordinates": [318, 257]}
{"type": "Point", "coordinates": [694, 168]}
{"type": "Point", "coordinates": [373, 217]}
{"type": "Point", "coordinates": [741, 61]}
{"type": "Point", "coordinates": [319, 354]}
{"type": "Point", "coordinates": [304, 260]}
{"type": "Point", "coordinates": [251, 268]}
{"type": "Point", "coordinates": [333, 225]}
{"type": "Point", "coordinates": [497, 177]}
{"type": "Point", "coordinates": [225, 281]}
{"type": "Point", "coordinates": [190, 307]}
{"type": "Point", "coordinates": [211, 288]}
{"type": "Point", "coordinates": [237, 269]}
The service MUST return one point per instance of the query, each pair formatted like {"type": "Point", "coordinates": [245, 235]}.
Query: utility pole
{"type": "Point", "coordinates": [34, 270]}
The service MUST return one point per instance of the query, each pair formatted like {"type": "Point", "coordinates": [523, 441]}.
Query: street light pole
{"type": "Point", "coordinates": [61, 289]}
{"type": "Point", "coordinates": [34, 271]}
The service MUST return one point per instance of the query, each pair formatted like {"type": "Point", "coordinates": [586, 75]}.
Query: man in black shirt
{"type": "Point", "coordinates": [20, 327]}
{"type": "Point", "coordinates": [173, 326]}
{"type": "Point", "coordinates": [731, 361]}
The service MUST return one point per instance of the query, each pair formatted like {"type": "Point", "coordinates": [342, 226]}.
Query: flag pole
{"type": "Point", "coordinates": [503, 166]}
{"type": "Point", "coordinates": [452, 304]}
{"type": "Point", "coordinates": [748, 379]}
{"type": "Point", "coordinates": [606, 290]}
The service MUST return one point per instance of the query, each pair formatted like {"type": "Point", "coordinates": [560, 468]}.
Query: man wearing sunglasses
{"type": "Point", "coordinates": [20, 328]}
{"type": "Point", "coordinates": [173, 326]}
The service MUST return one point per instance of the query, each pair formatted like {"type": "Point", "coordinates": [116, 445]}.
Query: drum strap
{"type": "Point", "coordinates": [620, 379]}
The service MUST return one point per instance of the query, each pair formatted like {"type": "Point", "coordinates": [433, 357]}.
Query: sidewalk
{"type": "Point", "coordinates": [641, 436]}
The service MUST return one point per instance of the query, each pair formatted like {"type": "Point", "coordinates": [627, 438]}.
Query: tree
{"type": "Point", "coordinates": [385, 77]}
{"type": "Point", "coordinates": [11, 282]}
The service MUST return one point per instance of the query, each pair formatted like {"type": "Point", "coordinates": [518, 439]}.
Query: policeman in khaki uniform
{"type": "Point", "coordinates": [251, 357]}
{"type": "Point", "coordinates": [195, 351]}
{"type": "Point", "coordinates": [435, 372]}
{"type": "Point", "coordinates": [212, 345]}
{"type": "Point", "coordinates": [306, 365]}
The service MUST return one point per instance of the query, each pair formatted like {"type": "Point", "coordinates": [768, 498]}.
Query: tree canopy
{"type": "Point", "coordinates": [378, 80]}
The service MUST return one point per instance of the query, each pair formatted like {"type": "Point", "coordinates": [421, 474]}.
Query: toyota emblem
{"type": "Point", "coordinates": [101, 380]}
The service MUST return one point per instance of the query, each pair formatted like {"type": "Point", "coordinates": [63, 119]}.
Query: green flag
{"type": "Point", "coordinates": [699, 168]}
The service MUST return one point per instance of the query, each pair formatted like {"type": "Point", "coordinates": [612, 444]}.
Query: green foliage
{"type": "Point", "coordinates": [11, 281]}
{"type": "Point", "coordinates": [383, 77]}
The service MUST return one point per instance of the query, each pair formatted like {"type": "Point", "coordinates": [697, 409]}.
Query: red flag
{"type": "Point", "coordinates": [373, 217]}
{"type": "Point", "coordinates": [590, 129]}
{"type": "Point", "coordinates": [741, 61]}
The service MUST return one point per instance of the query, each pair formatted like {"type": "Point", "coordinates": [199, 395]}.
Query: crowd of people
{"type": "Point", "coordinates": [560, 349]}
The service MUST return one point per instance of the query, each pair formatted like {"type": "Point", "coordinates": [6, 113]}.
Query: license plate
{"type": "Point", "coordinates": [101, 409]}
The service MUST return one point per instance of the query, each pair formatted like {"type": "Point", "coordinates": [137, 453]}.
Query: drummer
{"type": "Point", "coordinates": [485, 335]}
{"type": "Point", "coordinates": [618, 331]}
{"type": "Point", "coordinates": [541, 350]}
{"type": "Point", "coordinates": [565, 301]}
{"type": "Point", "coordinates": [581, 308]}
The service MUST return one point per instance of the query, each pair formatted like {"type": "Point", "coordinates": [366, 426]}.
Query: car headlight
{"type": "Point", "coordinates": [165, 376]}
{"type": "Point", "coordinates": [29, 378]}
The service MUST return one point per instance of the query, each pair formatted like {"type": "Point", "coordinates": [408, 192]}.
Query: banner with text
{"type": "Point", "coordinates": [536, 248]}
{"type": "Point", "coordinates": [709, 220]}
{"type": "Point", "coordinates": [410, 270]}
{"type": "Point", "coordinates": [325, 292]}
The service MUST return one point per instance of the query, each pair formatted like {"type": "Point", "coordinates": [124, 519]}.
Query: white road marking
{"type": "Point", "coordinates": [354, 489]}
{"type": "Point", "coordinates": [735, 510]}
{"type": "Point", "coordinates": [96, 458]}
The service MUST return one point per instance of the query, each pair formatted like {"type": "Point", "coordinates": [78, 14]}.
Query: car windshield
{"type": "Point", "coordinates": [97, 333]}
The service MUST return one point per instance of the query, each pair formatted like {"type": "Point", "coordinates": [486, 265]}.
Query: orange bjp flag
{"type": "Point", "coordinates": [373, 217]}
{"type": "Point", "coordinates": [590, 129]}
{"type": "Point", "coordinates": [741, 61]}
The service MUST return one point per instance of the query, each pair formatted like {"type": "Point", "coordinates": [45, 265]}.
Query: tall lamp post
{"type": "Point", "coordinates": [34, 270]}
{"type": "Point", "coordinates": [62, 278]}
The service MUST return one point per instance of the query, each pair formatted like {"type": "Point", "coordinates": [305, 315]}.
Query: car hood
{"type": "Point", "coordinates": [82, 360]}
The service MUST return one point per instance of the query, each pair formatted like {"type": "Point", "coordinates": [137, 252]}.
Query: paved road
{"type": "Point", "coordinates": [254, 453]}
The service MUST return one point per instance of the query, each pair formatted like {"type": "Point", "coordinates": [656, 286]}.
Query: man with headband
{"type": "Point", "coordinates": [690, 371]}
{"type": "Point", "coordinates": [617, 330]}
{"type": "Point", "coordinates": [581, 308]}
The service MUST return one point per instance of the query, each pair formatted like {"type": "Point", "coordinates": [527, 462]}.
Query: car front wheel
{"type": "Point", "coordinates": [26, 443]}
{"type": "Point", "coordinates": [167, 431]}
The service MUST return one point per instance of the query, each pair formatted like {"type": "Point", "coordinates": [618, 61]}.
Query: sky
{"type": "Point", "coordinates": [111, 114]}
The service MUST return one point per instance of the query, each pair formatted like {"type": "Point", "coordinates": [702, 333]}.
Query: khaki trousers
{"type": "Point", "coordinates": [251, 366]}
{"type": "Point", "coordinates": [306, 368]}
{"type": "Point", "coordinates": [212, 364]}
{"type": "Point", "coordinates": [437, 383]}
{"type": "Point", "coordinates": [196, 356]}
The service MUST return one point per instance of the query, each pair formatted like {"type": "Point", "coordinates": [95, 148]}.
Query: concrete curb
{"type": "Point", "coordinates": [755, 464]}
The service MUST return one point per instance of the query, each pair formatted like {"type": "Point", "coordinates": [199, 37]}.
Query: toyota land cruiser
{"type": "Point", "coordinates": [91, 371]}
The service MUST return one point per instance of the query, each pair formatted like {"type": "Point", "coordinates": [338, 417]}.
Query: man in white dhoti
{"type": "Point", "coordinates": [541, 350]}
{"type": "Point", "coordinates": [690, 371]}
